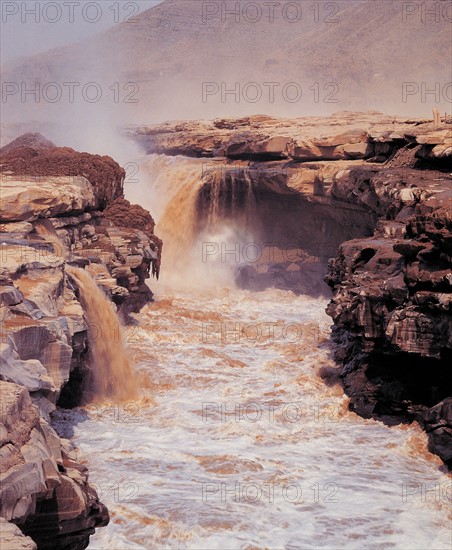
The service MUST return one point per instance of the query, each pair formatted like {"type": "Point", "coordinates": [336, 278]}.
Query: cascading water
{"type": "Point", "coordinates": [230, 197]}
{"type": "Point", "coordinates": [245, 446]}
{"type": "Point", "coordinates": [45, 229]}
{"type": "Point", "coordinates": [186, 234]}
{"type": "Point", "coordinates": [111, 373]}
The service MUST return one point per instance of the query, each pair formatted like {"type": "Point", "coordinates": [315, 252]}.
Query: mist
{"type": "Point", "coordinates": [187, 60]}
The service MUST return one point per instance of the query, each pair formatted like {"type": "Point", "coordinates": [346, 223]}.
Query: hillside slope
{"type": "Point", "coordinates": [347, 54]}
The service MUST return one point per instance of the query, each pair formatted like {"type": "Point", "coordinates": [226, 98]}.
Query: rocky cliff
{"type": "Point", "coordinates": [43, 489]}
{"type": "Point", "coordinates": [375, 193]}
{"type": "Point", "coordinates": [345, 135]}
{"type": "Point", "coordinates": [392, 304]}
{"type": "Point", "coordinates": [58, 207]}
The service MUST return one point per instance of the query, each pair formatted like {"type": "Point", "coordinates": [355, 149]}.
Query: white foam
{"type": "Point", "coordinates": [151, 463]}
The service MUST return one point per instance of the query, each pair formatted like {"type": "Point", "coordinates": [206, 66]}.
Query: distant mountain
{"type": "Point", "coordinates": [340, 55]}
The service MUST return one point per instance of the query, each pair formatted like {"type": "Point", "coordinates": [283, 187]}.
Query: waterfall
{"type": "Point", "coordinates": [112, 374]}
{"type": "Point", "coordinates": [241, 426]}
{"type": "Point", "coordinates": [44, 228]}
{"type": "Point", "coordinates": [178, 225]}
{"type": "Point", "coordinates": [230, 197]}
{"type": "Point", "coordinates": [207, 204]}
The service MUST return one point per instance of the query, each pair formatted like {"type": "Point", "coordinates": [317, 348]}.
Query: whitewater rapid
{"type": "Point", "coordinates": [237, 443]}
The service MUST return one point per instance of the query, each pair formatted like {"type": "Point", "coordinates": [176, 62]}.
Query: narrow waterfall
{"type": "Point", "coordinates": [112, 374]}
{"type": "Point", "coordinates": [44, 228]}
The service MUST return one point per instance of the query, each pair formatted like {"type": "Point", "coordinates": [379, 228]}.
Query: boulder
{"type": "Point", "coordinates": [12, 538]}
{"type": "Point", "coordinates": [37, 477]}
{"type": "Point", "coordinates": [27, 199]}
{"type": "Point", "coordinates": [438, 424]}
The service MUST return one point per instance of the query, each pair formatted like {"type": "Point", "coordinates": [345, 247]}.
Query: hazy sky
{"type": "Point", "coordinates": [33, 26]}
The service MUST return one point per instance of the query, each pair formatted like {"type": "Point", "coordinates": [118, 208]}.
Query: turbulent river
{"type": "Point", "coordinates": [238, 443]}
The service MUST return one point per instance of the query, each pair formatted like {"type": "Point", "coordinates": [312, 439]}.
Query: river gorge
{"type": "Point", "coordinates": [220, 402]}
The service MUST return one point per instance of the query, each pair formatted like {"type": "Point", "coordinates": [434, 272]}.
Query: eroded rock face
{"type": "Point", "coordinates": [44, 332]}
{"type": "Point", "coordinates": [87, 220]}
{"type": "Point", "coordinates": [43, 489]}
{"type": "Point", "coordinates": [343, 136]}
{"type": "Point", "coordinates": [297, 172]}
{"type": "Point", "coordinates": [27, 200]}
{"type": "Point", "coordinates": [51, 214]}
{"type": "Point", "coordinates": [392, 301]}
{"type": "Point", "coordinates": [27, 158]}
{"type": "Point", "coordinates": [13, 538]}
{"type": "Point", "coordinates": [123, 214]}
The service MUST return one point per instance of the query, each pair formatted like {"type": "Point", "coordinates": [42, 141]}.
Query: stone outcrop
{"type": "Point", "coordinates": [343, 136]}
{"type": "Point", "coordinates": [13, 538]}
{"type": "Point", "coordinates": [133, 216]}
{"type": "Point", "coordinates": [51, 215]}
{"type": "Point", "coordinates": [33, 155]}
{"type": "Point", "coordinates": [43, 488]}
{"type": "Point", "coordinates": [87, 219]}
{"type": "Point", "coordinates": [392, 301]}
{"type": "Point", "coordinates": [25, 200]}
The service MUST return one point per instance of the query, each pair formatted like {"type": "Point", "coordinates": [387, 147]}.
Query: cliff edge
{"type": "Point", "coordinates": [58, 207]}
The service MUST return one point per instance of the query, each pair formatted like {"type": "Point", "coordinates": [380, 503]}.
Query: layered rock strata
{"type": "Point", "coordinates": [343, 136]}
{"type": "Point", "coordinates": [392, 303]}
{"type": "Point", "coordinates": [43, 488]}
{"type": "Point", "coordinates": [58, 207]}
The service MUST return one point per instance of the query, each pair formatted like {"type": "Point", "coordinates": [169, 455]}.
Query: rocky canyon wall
{"type": "Point", "coordinates": [392, 302]}
{"type": "Point", "coordinates": [60, 210]}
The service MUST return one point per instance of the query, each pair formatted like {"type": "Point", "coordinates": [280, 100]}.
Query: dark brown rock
{"type": "Point", "coordinates": [38, 158]}
{"type": "Point", "coordinates": [392, 301]}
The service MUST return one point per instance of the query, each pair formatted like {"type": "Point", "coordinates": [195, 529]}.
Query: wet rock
{"type": "Point", "coordinates": [12, 538]}
{"type": "Point", "coordinates": [392, 296]}
{"type": "Point", "coordinates": [438, 424]}
{"type": "Point", "coordinates": [44, 348]}
{"type": "Point", "coordinates": [42, 491]}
